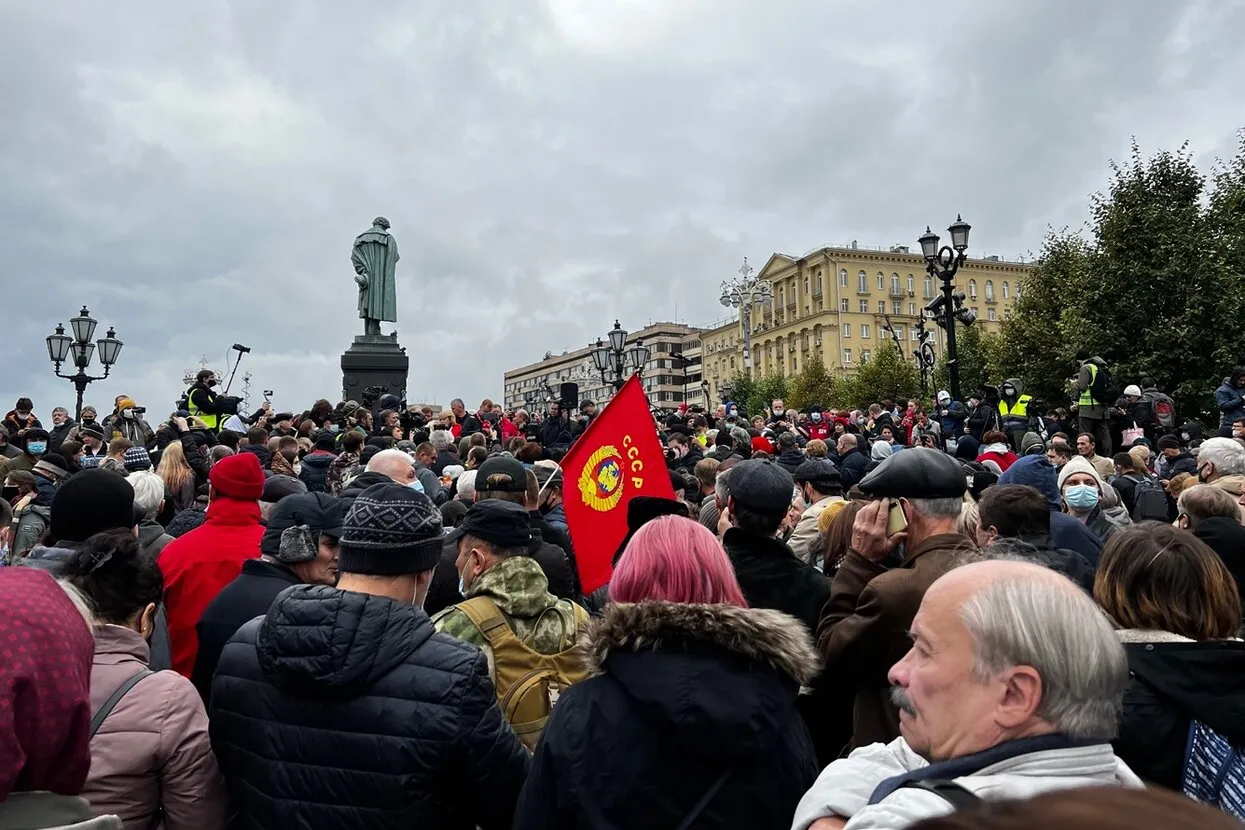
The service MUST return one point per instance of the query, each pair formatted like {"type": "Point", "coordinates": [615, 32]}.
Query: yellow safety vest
{"type": "Point", "coordinates": [1020, 410]}
{"type": "Point", "coordinates": [1087, 397]}
{"type": "Point", "coordinates": [210, 419]}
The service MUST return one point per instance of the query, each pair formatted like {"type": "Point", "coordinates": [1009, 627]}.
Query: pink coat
{"type": "Point", "coordinates": [153, 747]}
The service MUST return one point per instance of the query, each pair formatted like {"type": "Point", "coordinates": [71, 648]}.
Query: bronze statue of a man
{"type": "Point", "coordinates": [375, 257]}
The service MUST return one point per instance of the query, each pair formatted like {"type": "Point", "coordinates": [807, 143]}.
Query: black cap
{"type": "Point", "coordinates": [787, 439]}
{"type": "Point", "coordinates": [762, 485]}
{"type": "Point", "coordinates": [818, 472]}
{"type": "Point", "coordinates": [501, 523]}
{"type": "Point", "coordinates": [915, 473]}
{"type": "Point", "coordinates": [325, 440]}
{"type": "Point", "coordinates": [321, 512]}
{"type": "Point", "coordinates": [502, 474]}
{"type": "Point", "coordinates": [282, 416]}
{"type": "Point", "coordinates": [278, 487]}
{"type": "Point", "coordinates": [93, 430]}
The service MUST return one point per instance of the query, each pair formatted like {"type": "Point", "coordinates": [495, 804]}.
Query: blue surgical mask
{"type": "Point", "coordinates": [416, 486]}
{"type": "Point", "coordinates": [37, 447]}
{"type": "Point", "coordinates": [1081, 496]}
{"type": "Point", "coordinates": [334, 428]}
{"type": "Point", "coordinates": [462, 583]}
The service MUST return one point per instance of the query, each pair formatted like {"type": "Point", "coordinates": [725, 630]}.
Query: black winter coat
{"type": "Point", "coordinates": [790, 460]}
{"type": "Point", "coordinates": [345, 710]}
{"type": "Point", "coordinates": [262, 453]}
{"type": "Point", "coordinates": [852, 468]}
{"type": "Point", "coordinates": [248, 596]}
{"type": "Point", "coordinates": [1171, 684]}
{"type": "Point", "coordinates": [315, 472]}
{"type": "Point", "coordinates": [771, 577]}
{"type": "Point", "coordinates": [680, 694]}
{"type": "Point", "coordinates": [1226, 537]}
{"type": "Point", "coordinates": [361, 482]}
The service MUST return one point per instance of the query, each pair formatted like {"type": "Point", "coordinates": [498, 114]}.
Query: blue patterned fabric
{"type": "Point", "coordinates": [1214, 771]}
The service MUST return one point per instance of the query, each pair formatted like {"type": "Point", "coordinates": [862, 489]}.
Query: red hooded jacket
{"type": "Point", "coordinates": [197, 565]}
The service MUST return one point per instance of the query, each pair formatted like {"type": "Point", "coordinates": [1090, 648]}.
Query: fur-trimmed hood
{"type": "Point", "coordinates": [758, 634]}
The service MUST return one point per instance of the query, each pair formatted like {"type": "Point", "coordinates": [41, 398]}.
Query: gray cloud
{"type": "Point", "coordinates": [547, 166]}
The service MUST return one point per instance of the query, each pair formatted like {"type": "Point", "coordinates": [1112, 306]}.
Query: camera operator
{"type": "Point", "coordinates": [206, 405]}
{"type": "Point", "coordinates": [128, 423]}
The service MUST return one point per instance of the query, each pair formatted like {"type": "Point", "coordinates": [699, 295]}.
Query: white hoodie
{"type": "Point", "coordinates": [844, 787]}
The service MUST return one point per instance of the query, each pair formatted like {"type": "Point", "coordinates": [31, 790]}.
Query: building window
{"type": "Point", "coordinates": [989, 291]}
{"type": "Point", "coordinates": [881, 306]}
{"type": "Point", "coordinates": [864, 331]}
{"type": "Point", "coordinates": [972, 289]}
{"type": "Point", "coordinates": [896, 307]}
{"type": "Point", "coordinates": [915, 335]}
{"type": "Point", "coordinates": [864, 306]}
{"type": "Point", "coordinates": [1017, 290]}
{"type": "Point", "coordinates": [862, 283]}
{"type": "Point", "coordinates": [817, 283]}
{"type": "Point", "coordinates": [1006, 295]}
{"type": "Point", "coordinates": [866, 355]}
{"type": "Point", "coordinates": [990, 315]}
{"type": "Point", "coordinates": [901, 332]}
{"type": "Point", "coordinates": [911, 309]}
{"type": "Point", "coordinates": [911, 284]}
{"type": "Point", "coordinates": [881, 281]}
{"type": "Point", "coordinates": [847, 329]}
{"type": "Point", "coordinates": [894, 283]}
{"type": "Point", "coordinates": [929, 288]}
{"type": "Point", "coordinates": [843, 278]}
{"type": "Point", "coordinates": [846, 304]}
{"type": "Point", "coordinates": [847, 355]}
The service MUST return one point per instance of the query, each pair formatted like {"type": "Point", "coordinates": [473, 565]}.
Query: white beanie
{"type": "Point", "coordinates": [1079, 465]}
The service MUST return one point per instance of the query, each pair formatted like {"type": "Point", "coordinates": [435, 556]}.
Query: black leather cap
{"type": "Point", "coordinates": [916, 473]}
{"type": "Point", "coordinates": [818, 471]}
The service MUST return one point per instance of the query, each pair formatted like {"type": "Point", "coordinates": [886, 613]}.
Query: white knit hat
{"type": "Point", "coordinates": [1079, 465]}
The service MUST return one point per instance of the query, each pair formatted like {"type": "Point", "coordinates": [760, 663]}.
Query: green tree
{"type": "Point", "coordinates": [754, 395]}
{"type": "Point", "coordinates": [1156, 287]}
{"type": "Point", "coordinates": [813, 385]}
{"type": "Point", "coordinates": [974, 350]}
{"type": "Point", "coordinates": [887, 375]}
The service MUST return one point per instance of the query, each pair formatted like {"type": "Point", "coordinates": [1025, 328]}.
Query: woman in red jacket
{"type": "Point", "coordinates": [994, 447]}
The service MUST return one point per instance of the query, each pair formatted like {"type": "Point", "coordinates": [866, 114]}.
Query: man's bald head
{"type": "Point", "coordinates": [395, 464]}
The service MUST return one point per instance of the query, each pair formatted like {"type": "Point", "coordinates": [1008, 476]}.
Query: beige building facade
{"type": "Point", "coordinates": [837, 302]}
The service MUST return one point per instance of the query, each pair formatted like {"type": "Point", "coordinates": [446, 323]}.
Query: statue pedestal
{"type": "Point", "coordinates": [374, 360]}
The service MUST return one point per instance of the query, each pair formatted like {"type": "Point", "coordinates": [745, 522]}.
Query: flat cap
{"type": "Point", "coordinates": [762, 485]}
{"type": "Point", "coordinates": [818, 471]}
{"type": "Point", "coordinates": [916, 473]}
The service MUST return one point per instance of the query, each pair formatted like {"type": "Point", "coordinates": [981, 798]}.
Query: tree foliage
{"type": "Point", "coordinates": [812, 385]}
{"type": "Point", "coordinates": [754, 395]}
{"type": "Point", "coordinates": [1156, 287]}
{"type": "Point", "coordinates": [887, 376]}
{"type": "Point", "coordinates": [976, 354]}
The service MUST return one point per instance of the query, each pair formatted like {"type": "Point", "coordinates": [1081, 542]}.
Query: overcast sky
{"type": "Point", "coordinates": [197, 176]}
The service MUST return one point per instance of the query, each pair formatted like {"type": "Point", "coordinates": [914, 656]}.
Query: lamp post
{"type": "Point", "coordinates": [924, 354]}
{"type": "Point", "coordinates": [943, 263]}
{"type": "Point", "coordinates": [742, 294]}
{"type": "Point", "coordinates": [616, 358]}
{"type": "Point", "coordinates": [61, 347]}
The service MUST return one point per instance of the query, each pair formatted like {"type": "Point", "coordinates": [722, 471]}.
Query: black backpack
{"type": "Point", "coordinates": [1149, 500]}
{"type": "Point", "coordinates": [1103, 388]}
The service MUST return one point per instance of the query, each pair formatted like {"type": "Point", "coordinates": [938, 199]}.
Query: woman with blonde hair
{"type": "Point", "coordinates": [178, 476]}
{"type": "Point", "coordinates": [688, 716]}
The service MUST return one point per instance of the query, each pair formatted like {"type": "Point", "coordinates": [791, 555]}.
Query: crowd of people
{"type": "Point", "coordinates": [931, 614]}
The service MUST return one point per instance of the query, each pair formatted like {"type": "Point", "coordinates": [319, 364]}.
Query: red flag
{"type": "Point", "coordinates": [617, 458]}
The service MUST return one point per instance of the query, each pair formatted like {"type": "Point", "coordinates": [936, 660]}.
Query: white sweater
{"type": "Point", "coordinates": [844, 787]}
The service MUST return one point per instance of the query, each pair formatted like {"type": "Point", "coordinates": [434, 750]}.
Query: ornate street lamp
{"type": "Point", "coordinates": [615, 358]}
{"type": "Point", "coordinates": [943, 263]}
{"type": "Point", "coordinates": [742, 294]}
{"type": "Point", "coordinates": [80, 349]}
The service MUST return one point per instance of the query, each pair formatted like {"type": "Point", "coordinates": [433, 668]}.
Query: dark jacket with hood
{"type": "Point", "coordinates": [1171, 684]}
{"type": "Point", "coordinates": [678, 695]}
{"type": "Point", "coordinates": [1061, 560]}
{"type": "Point", "coordinates": [1226, 537]}
{"type": "Point", "coordinates": [315, 471]}
{"type": "Point", "coordinates": [58, 434]}
{"type": "Point", "coordinates": [1169, 468]}
{"type": "Point", "coordinates": [852, 467]}
{"type": "Point", "coordinates": [262, 453]}
{"type": "Point", "coordinates": [345, 710]}
{"type": "Point", "coordinates": [771, 576]}
{"type": "Point", "coordinates": [1230, 399]}
{"type": "Point", "coordinates": [1066, 532]}
{"type": "Point", "coordinates": [1015, 423]}
{"type": "Point", "coordinates": [790, 460]}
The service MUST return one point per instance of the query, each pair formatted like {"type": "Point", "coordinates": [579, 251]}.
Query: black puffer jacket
{"type": "Point", "coordinates": [1171, 684]}
{"type": "Point", "coordinates": [771, 576]}
{"type": "Point", "coordinates": [680, 694]}
{"type": "Point", "coordinates": [315, 471]}
{"type": "Point", "coordinates": [344, 710]}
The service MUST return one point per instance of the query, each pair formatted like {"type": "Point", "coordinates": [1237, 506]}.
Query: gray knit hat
{"type": "Point", "coordinates": [390, 530]}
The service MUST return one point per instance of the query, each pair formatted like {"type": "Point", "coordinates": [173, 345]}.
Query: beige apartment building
{"type": "Point", "coordinates": [836, 302]}
{"type": "Point", "coordinates": [671, 376]}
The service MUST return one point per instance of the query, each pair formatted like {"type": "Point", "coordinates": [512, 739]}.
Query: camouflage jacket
{"type": "Point", "coordinates": [519, 588]}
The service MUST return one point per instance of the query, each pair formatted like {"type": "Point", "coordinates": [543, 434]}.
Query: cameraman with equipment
{"type": "Point", "coordinates": [204, 404]}
{"type": "Point", "coordinates": [128, 423]}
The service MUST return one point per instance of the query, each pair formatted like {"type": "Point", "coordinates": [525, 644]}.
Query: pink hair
{"type": "Point", "coordinates": [675, 560]}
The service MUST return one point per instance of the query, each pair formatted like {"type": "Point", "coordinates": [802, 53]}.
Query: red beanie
{"type": "Point", "coordinates": [760, 444]}
{"type": "Point", "coordinates": [238, 477]}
